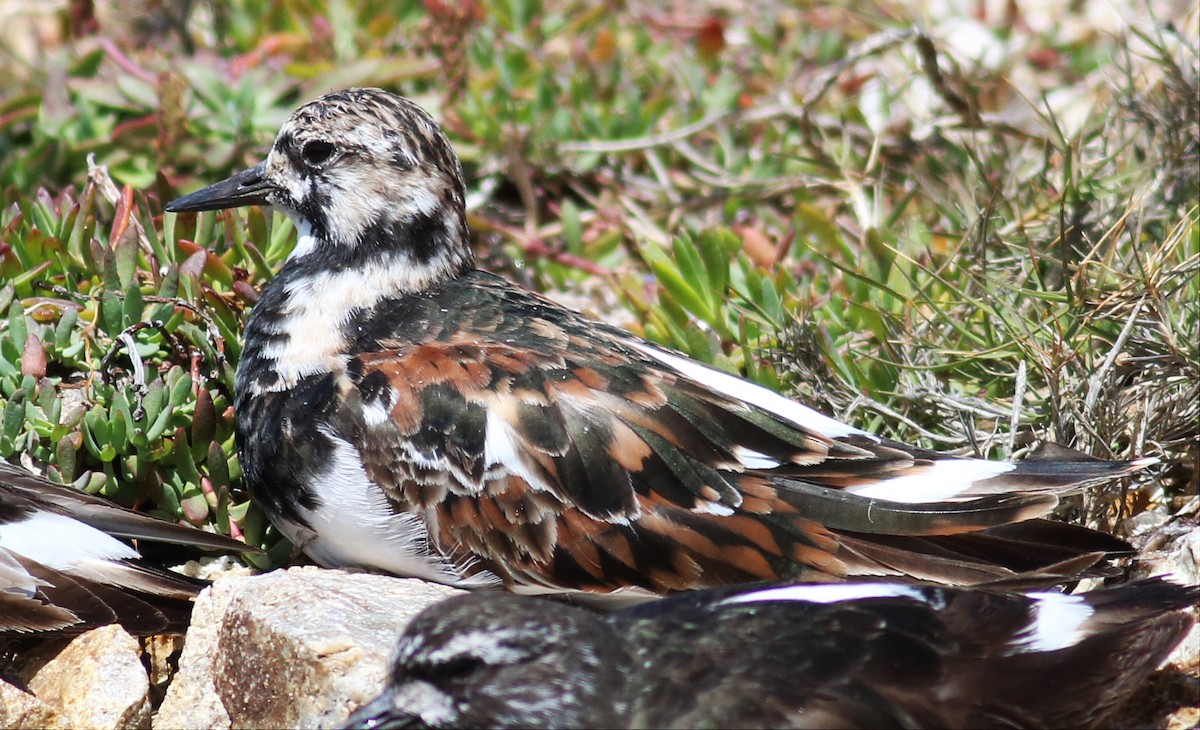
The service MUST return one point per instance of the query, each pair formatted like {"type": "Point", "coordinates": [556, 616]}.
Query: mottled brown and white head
{"type": "Point", "coordinates": [367, 176]}
{"type": "Point", "coordinates": [495, 660]}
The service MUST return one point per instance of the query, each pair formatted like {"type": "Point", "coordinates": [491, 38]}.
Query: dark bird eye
{"type": "Point", "coordinates": [314, 153]}
{"type": "Point", "coordinates": [460, 667]}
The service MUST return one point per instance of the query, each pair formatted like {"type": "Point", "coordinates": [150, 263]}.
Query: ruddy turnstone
{"type": "Point", "coordinates": [63, 570]}
{"type": "Point", "coordinates": [402, 411]}
{"type": "Point", "coordinates": [814, 656]}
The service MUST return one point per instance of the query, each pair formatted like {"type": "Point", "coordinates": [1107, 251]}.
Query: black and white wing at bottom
{"type": "Point", "coordinates": [774, 655]}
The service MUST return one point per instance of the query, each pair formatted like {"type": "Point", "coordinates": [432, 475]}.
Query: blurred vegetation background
{"type": "Point", "coordinates": [969, 225]}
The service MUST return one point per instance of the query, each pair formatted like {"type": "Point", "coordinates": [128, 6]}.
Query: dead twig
{"type": "Point", "coordinates": [98, 175]}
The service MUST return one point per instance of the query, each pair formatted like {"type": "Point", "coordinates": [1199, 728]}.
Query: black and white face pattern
{"type": "Point", "coordinates": [501, 661]}
{"type": "Point", "coordinates": [369, 178]}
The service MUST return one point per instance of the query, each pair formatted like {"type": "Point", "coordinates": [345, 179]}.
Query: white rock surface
{"type": "Point", "coordinates": [19, 709]}
{"type": "Point", "coordinates": [97, 681]}
{"type": "Point", "coordinates": [301, 647]}
{"type": "Point", "coordinates": [1173, 550]}
{"type": "Point", "coordinates": [191, 700]}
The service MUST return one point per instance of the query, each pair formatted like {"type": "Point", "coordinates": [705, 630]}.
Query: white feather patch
{"type": "Point", "coordinates": [483, 645]}
{"type": "Point", "coordinates": [751, 459]}
{"type": "Point", "coordinates": [747, 392]}
{"type": "Point", "coordinates": [713, 508]}
{"type": "Point", "coordinates": [355, 525]}
{"type": "Point", "coordinates": [319, 306]}
{"type": "Point", "coordinates": [501, 448]}
{"type": "Point", "coordinates": [944, 480]}
{"type": "Point", "coordinates": [1058, 621]}
{"type": "Point", "coordinates": [60, 542]}
{"type": "Point", "coordinates": [376, 413]}
{"type": "Point", "coordinates": [829, 593]}
{"type": "Point", "coordinates": [420, 698]}
{"type": "Point", "coordinates": [306, 243]}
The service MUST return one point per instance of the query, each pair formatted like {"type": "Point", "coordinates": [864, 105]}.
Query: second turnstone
{"type": "Point", "coordinates": [812, 656]}
{"type": "Point", "coordinates": [64, 570]}
{"type": "Point", "coordinates": [400, 410]}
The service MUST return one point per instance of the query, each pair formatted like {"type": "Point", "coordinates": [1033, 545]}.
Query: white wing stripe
{"type": "Point", "coordinates": [754, 394]}
{"type": "Point", "coordinates": [944, 480]}
{"type": "Point", "coordinates": [832, 593]}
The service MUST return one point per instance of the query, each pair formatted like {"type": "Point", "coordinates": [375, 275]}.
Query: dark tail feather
{"type": "Point", "coordinates": [1134, 628]}
{"type": "Point", "coordinates": [1062, 534]}
{"type": "Point", "coordinates": [1088, 565]}
{"type": "Point", "coordinates": [96, 604]}
{"type": "Point", "coordinates": [22, 614]}
{"type": "Point", "coordinates": [1034, 553]}
{"type": "Point", "coordinates": [921, 560]}
{"type": "Point", "coordinates": [1052, 466]}
{"type": "Point", "coordinates": [842, 510]}
{"type": "Point", "coordinates": [1031, 545]}
{"type": "Point", "coordinates": [1140, 600]}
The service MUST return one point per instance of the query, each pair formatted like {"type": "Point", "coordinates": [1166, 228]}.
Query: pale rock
{"type": "Point", "coordinates": [1173, 551]}
{"type": "Point", "coordinates": [1186, 718]}
{"type": "Point", "coordinates": [191, 701]}
{"type": "Point", "coordinates": [19, 709]}
{"type": "Point", "coordinates": [97, 681]}
{"type": "Point", "coordinates": [301, 647]}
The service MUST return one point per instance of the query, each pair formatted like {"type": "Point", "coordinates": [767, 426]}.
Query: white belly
{"type": "Point", "coordinates": [355, 527]}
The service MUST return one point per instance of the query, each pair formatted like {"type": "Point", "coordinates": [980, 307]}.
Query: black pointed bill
{"type": "Point", "coordinates": [381, 713]}
{"type": "Point", "coordinates": [248, 187]}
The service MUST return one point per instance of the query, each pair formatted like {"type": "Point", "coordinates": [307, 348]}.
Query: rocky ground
{"type": "Point", "coordinates": [300, 647]}
{"type": "Point", "coordinates": [305, 646]}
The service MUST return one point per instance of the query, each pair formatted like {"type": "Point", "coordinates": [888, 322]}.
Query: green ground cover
{"type": "Point", "coordinates": [974, 232]}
